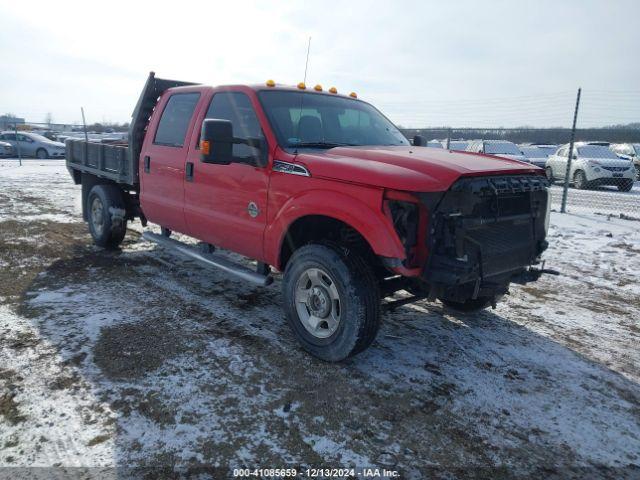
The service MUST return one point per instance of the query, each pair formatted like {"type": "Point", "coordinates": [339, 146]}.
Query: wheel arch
{"type": "Point", "coordinates": [314, 214]}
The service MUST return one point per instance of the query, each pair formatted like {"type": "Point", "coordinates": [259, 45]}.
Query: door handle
{"type": "Point", "coordinates": [147, 164]}
{"type": "Point", "coordinates": [188, 171]}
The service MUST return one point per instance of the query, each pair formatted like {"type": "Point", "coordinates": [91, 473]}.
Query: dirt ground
{"type": "Point", "coordinates": [137, 359]}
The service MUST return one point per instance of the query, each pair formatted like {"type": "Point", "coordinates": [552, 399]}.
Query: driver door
{"type": "Point", "coordinates": [226, 205]}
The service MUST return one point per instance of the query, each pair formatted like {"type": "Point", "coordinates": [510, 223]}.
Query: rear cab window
{"type": "Point", "coordinates": [175, 119]}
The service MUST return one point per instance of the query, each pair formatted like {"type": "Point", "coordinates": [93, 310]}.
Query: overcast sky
{"type": "Point", "coordinates": [458, 63]}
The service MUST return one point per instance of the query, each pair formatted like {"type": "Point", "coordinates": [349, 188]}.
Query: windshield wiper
{"type": "Point", "coordinates": [321, 145]}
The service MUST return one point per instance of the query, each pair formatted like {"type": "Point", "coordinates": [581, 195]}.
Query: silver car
{"type": "Point", "coordinates": [629, 151]}
{"type": "Point", "coordinates": [33, 145]}
{"type": "Point", "coordinates": [6, 150]}
{"type": "Point", "coordinates": [499, 148]}
{"type": "Point", "coordinates": [535, 155]}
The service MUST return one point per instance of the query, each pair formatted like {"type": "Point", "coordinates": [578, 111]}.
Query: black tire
{"type": "Point", "coordinates": [580, 180]}
{"type": "Point", "coordinates": [637, 171]}
{"type": "Point", "coordinates": [42, 154]}
{"type": "Point", "coordinates": [165, 232]}
{"type": "Point", "coordinates": [625, 186]}
{"type": "Point", "coordinates": [108, 228]}
{"type": "Point", "coordinates": [359, 301]}
{"type": "Point", "coordinates": [549, 172]}
{"type": "Point", "coordinates": [470, 305]}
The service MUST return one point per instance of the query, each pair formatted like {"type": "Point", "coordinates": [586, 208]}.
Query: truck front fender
{"type": "Point", "coordinates": [371, 222]}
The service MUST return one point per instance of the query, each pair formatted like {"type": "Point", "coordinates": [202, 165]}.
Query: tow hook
{"type": "Point", "coordinates": [532, 274]}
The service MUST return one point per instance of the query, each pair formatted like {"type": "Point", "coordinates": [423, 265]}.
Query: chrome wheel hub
{"type": "Point", "coordinates": [97, 215]}
{"type": "Point", "coordinates": [318, 303]}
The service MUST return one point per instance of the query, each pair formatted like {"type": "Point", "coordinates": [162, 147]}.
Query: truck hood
{"type": "Point", "coordinates": [414, 169]}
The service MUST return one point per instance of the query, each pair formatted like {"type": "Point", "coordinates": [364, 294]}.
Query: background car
{"type": "Point", "coordinates": [629, 151]}
{"type": "Point", "coordinates": [6, 150]}
{"type": "Point", "coordinates": [593, 164]}
{"type": "Point", "coordinates": [500, 148]}
{"type": "Point", "coordinates": [33, 145]}
{"type": "Point", "coordinates": [535, 155]}
{"type": "Point", "coordinates": [549, 148]}
{"type": "Point", "coordinates": [457, 145]}
{"type": "Point", "coordinates": [434, 144]}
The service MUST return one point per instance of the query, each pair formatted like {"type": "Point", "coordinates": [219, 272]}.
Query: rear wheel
{"type": "Point", "coordinates": [331, 301]}
{"type": "Point", "coordinates": [42, 154]}
{"type": "Point", "coordinates": [625, 186]}
{"type": "Point", "coordinates": [580, 180]}
{"type": "Point", "coordinates": [106, 215]}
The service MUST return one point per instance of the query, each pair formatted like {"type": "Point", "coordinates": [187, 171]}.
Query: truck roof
{"type": "Point", "coordinates": [276, 86]}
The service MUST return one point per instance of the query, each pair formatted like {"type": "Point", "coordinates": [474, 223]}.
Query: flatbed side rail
{"type": "Point", "coordinates": [102, 160]}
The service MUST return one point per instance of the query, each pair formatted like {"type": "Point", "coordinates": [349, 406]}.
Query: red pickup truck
{"type": "Point", "coordinates": [324, 188]}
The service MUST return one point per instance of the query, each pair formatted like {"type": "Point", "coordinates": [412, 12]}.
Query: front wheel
{"type": "Point", "coordinates": [42, 154]}
{"type": "Point", "coordinates": [580, 180]}
{"type": "Point", "coordinates": [106, 216]}
{"type": "Point", "coordinates": [331, 301]}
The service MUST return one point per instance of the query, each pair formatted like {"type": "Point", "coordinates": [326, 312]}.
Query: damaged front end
{"type": "Point", "coordinates": [478, 237]}
{"type": "Point", "coordinates": [484, 232]}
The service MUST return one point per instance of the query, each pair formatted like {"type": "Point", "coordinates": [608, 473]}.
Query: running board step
{"type": "Point", "coordinates": [209, 260]}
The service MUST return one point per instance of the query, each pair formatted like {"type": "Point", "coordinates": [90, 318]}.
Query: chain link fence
{"type": "Point", "coordinates": [593, 170]}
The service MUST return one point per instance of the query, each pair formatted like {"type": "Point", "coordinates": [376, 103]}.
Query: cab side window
{"type": "Point", "coordinates": [175, 119]}
{"type": "Point", "coordinates": [236, 107]}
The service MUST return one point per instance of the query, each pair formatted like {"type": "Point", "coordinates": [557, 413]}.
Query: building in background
{"type": "Point", "coordinates": [7, 122]}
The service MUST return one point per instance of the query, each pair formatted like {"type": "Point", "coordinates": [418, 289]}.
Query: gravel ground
{"type": "Point", "coordinates": [121, 362]}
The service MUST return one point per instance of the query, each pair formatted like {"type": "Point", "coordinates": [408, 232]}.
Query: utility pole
{"type": "Point", "coordinates": [84, 125]}
{"type": "Point", "coordinates": [565, 191]}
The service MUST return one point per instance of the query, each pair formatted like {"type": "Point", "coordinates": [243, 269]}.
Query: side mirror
{"type": "Point", "coordinates": [216, 141]}
{"type": "Point", "coordinates": [419, 141]}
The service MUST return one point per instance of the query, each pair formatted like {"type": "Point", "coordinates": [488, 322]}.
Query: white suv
{"type": "Point", "coordinates": [592, 165]}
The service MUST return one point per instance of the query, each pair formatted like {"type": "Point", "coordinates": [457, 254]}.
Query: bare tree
{"type": "Point", "coordinates": [48, 119]}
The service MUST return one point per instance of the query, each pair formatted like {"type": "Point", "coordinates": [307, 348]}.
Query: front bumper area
{"type": "Point", "coordinates": [483, 232]}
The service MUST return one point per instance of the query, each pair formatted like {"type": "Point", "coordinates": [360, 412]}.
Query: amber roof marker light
{"type": "Point", "coordinates": [318, 88]}
{"type": "Point", "coordinates": [302, 86]}
{"type": "Point", "coordinates": [270, 83]}
{"type": "Point", "coordinates": [353, 95]}
{"type": "Point", "coordinates": [333, 90]}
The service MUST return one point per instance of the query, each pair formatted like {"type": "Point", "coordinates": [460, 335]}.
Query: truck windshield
{"type": "Point", "coordinates": [315, 120]}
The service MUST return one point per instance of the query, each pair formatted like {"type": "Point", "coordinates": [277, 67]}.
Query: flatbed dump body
{"type": "Point", "coordinates": [119, 163]}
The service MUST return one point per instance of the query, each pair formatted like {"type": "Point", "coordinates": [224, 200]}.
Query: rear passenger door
{"type": "Point", "coordinates": [162, 161]}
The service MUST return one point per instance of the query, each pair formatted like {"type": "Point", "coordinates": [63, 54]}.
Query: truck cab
{"type": "Point", "coordinates": [324, 188]}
